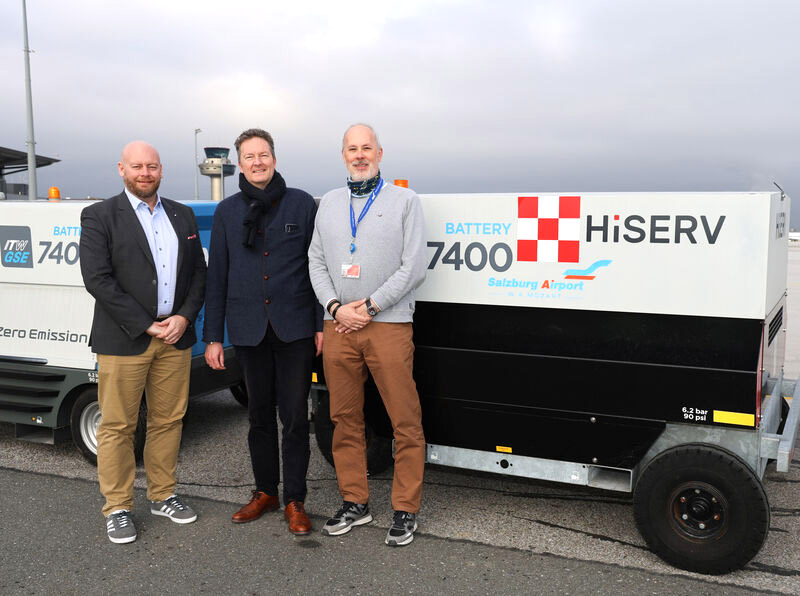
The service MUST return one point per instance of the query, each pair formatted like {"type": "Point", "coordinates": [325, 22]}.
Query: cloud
{"type": "Point", "coordinates": [544, 95]}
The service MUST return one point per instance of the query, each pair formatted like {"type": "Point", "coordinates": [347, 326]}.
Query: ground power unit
{"type": "Point", "coordinates": [631, 342]}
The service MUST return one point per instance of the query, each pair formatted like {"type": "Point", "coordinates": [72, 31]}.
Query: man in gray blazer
{"type": "Point", "coordinates": [142, 261]}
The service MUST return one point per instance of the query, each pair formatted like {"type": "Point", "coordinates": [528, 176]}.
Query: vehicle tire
{"type": "Point", "coordinates": [379, 448]}
{"type": "Point", "coordinates": [239, 393]}
{"type": "Point", "coordinates": [85, 418]}
{"type": "Point", "coordinates": [700, 508]}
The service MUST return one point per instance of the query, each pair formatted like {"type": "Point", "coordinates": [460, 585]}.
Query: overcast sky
{"type": "Point", "coordinates": [514, 96]}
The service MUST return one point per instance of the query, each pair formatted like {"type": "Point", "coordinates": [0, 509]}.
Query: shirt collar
{"type": "Point", "coordinates": [136, 201]}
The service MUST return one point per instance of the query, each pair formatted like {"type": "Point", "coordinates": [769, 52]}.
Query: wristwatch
{"type": "Point", "coordinates": [372, 310]}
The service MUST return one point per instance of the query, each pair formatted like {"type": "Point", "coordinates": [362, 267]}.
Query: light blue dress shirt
{"type": "Point", "coordinates": [163, 243]}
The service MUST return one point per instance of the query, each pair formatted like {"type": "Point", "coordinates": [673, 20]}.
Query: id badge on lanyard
{"type": "Point", "coordinates": [353, 270]}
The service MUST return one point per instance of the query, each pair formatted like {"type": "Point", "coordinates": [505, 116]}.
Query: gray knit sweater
{"type": "Point", "coordinates": [390, 249]}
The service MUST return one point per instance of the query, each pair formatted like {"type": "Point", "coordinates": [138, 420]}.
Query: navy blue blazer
{"type": "Point", "coordinates": [268, 283]}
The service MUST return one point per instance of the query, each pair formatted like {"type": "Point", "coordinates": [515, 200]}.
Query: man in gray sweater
{"type": "Point", "coordinates": [367, 256]}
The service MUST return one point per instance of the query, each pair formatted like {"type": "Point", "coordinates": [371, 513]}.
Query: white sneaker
{"type": "Point", "coordinates": [173, 508]}
{"type": "Point", "coordinates": [120, 528]}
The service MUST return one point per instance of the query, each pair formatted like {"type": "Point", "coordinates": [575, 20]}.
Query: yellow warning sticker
{"type": "Point", "coordinates": [502, 449]}
{"type": "Point", "coordinates": [734, 418]}
{"type": "Point", "coordinates": [313, 377]}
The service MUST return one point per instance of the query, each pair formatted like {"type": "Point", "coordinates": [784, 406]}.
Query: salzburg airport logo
{"type": "Point", "coordinates": [15, 246]}
{"type": "Point", "coordinates": [549, 229]}
{"type": "Point", "coordinates": [588, 273]}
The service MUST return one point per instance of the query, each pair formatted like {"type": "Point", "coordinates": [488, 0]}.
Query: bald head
{"type": "Point", "coordinates": [140, 168]}
{"type": "Point", "coordinates": [363, 128]}
{"type": "Point", "coordinates": [135, 149]}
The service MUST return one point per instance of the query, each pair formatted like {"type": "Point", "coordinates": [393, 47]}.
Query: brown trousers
{"type": "Point", "coordinates": [162, 372]}
{"type": "Point", "coordinates": [387, 349]}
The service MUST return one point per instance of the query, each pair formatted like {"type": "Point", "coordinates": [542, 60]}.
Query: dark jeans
{"type": "Point", "coordinates": [278, 373]}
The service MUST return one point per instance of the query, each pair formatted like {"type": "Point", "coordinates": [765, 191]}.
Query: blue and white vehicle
{"type": "Point", "coordinates": [48, 373]}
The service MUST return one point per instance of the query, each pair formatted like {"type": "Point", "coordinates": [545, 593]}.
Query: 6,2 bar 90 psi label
{"type": "Point", "coordinates": [694, 414]}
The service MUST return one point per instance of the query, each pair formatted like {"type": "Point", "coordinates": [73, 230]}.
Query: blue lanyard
{"type": "Point", "coordinates": [367, 205]}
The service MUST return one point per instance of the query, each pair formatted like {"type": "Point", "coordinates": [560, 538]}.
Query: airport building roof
{"type": "Point", "coordinates": [13, 161]}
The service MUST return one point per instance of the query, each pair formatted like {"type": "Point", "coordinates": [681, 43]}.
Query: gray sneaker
{"type": "Point", "coordinates": [402, 530]}
{"type": "Point", "coordinates": [120, 528]}
{"type": "Point", "coordinates": [349, 515]}
{"type": "Point", "coordinates": [173, 508]}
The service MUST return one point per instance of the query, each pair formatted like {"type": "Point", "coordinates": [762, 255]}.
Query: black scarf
{"type": "Point", "coordinates": [363, 187]}
{"type": "Point", "coordinates": [258, 202]}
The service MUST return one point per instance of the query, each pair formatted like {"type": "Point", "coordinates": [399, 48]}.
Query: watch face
{"type": "Point", "coordinates": [372, 311]}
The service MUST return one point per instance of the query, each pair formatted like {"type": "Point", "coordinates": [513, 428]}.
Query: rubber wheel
{"type": "Point", "coordinates": [85, 418]}
{"type": "Point", "coordinates": [379, 447]}
{"type": "Point", "coordinates": [700, 508]}
{"type": "Point", "coordinates": [239, 393]}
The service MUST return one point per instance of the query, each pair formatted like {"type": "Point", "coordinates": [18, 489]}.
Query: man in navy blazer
{"type": "Point", "coordinates": [258, 283]}
{"type": "Point", "coordinates": [142, 261]}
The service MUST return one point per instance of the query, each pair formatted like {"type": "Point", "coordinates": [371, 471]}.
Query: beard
{"type": "Point", "coordinates": [371, 172]}
{"type": "Point", "coordinates": [134, 189]}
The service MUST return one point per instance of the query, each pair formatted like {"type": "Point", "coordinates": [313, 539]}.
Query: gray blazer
{"type": "Point", "coordinates": [118, 270]}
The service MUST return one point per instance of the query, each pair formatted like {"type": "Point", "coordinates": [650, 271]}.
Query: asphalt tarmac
{"type": "Point", "coordinates": [479, 533]}
{"type": "Point", "coordinates": [58, 546]}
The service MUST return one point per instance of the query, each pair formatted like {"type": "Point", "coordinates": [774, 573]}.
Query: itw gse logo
{"type": "Point", "coordinates": [15, 246]}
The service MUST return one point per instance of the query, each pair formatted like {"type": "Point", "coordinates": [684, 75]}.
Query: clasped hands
{"type": "Point", "coordinates": [170, 329]}
{"type": "Point", "coordinates": [352, 316]}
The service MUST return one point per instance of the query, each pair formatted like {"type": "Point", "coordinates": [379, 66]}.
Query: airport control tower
{"type": "Point", "coordinates": [215, 166]}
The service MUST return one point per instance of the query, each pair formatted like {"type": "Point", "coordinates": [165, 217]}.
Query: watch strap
{"type": "Point", "coordinates": [331, 305]}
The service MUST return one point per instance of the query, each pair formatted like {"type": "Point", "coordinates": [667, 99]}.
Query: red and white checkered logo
{"type": "Point", "coordinates": [549, 229]}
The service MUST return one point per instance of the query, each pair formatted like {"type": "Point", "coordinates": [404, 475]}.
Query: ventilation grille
{"type": "Point", "coordinates": [775, 325]}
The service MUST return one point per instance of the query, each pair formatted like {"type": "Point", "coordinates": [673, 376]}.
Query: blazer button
{"type": "Point", "coordinates": [267, 301]}
{"type": "Point", "coordinates": [155, 282]}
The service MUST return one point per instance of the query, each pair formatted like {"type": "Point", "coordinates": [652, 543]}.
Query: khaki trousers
{"type": "Point", "coordinates": [162, 372]}
{"type": "Point", "coordinates": [388, 351]}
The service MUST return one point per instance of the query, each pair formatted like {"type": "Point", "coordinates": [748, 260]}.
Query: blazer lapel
{"type": "Point", "coordinates": [132, 222]}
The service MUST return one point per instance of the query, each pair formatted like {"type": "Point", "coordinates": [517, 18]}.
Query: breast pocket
{"type": "Point", "coordinates": [288, 233]}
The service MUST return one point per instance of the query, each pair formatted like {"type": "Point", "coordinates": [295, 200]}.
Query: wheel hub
{"type": "Point", "coordinates": [699, 510]}
{"type": "Point", "coordinates": [89, 421]}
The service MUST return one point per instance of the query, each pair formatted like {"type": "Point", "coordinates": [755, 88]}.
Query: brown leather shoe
{"type": "Point", "coordinates": [295, 514]}
{"type": "Point", "coordinates": [259, 504]}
